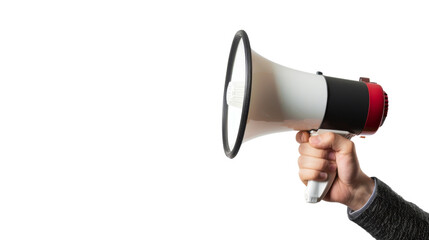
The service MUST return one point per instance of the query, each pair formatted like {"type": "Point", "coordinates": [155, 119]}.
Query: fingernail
{"type": "Point", "coordinates": [331, 156]}
{"type": "Point", "coordinates": [300, 136]}
{"type": "Point", "coordinates": [332, 167]}
{"type": "Point", "coordinates": [304, 137]}
{"type": "Point", "coordinates": [323, 175]}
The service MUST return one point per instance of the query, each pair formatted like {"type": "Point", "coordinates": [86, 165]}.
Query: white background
{"type": "Point", "coordinates": [110, 116]}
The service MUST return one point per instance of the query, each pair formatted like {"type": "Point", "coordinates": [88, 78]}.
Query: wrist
{"type": "Point", "coordinates": [361, 193]}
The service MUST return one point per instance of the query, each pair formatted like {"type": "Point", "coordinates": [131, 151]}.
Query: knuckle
{"type": "Point", "coordinates": [312, 163]}
{"type": "Point", "coordinates": [301, 148]}
{"type": "Point", "coordinates": [349, 146]}
{"type": "Point", "coordinates": [325, 154]}
{"type": "Point", "coordinates": [306, 149]}
{"type": "Point", "coordinates": [320, 165]}
{"type": "Point", "coordinates": [301, 161]}
{"type": "Point", "coordinates": [324, 165]}
{"type": "Point", "coordinates": [330, 136]}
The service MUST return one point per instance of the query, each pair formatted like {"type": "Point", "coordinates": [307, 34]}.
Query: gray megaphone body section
{"type": "Point", "coordinates": [283, 99]}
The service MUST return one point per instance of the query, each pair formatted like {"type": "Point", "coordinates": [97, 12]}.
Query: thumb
{"type": "Point", "coordinates": [332, 141]}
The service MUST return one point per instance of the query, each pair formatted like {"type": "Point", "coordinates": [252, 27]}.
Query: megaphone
{"type": "Point", "coordinates": [262, 97]}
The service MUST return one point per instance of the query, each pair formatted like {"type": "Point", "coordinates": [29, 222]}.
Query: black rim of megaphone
{"type": "Point", "coordinates": [240, 35]}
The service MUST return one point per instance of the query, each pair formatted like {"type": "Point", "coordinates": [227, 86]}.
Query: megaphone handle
{"type": "Point", "coordinates": [316, 190]}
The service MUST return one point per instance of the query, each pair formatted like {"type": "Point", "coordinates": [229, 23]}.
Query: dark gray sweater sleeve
{"type": "Point", "coordinates": [388, 216]}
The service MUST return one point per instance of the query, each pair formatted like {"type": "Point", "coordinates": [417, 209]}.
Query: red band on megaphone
{"type": "Point", "coordinates": [376, 108]}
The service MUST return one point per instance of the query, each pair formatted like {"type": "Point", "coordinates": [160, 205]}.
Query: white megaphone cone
{"type": "Point", "coordinates": [263, 97]}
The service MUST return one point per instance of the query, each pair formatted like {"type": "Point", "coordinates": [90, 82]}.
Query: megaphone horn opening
{"type": "Point", "coordinates": [229, 135]}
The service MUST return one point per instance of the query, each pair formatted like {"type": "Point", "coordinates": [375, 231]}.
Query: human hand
{"type": "Point", "coordinates": [327, 153]}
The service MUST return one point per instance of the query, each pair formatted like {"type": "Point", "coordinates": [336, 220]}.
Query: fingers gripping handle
{"type": "Point", "coordinates": [316, 190]}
